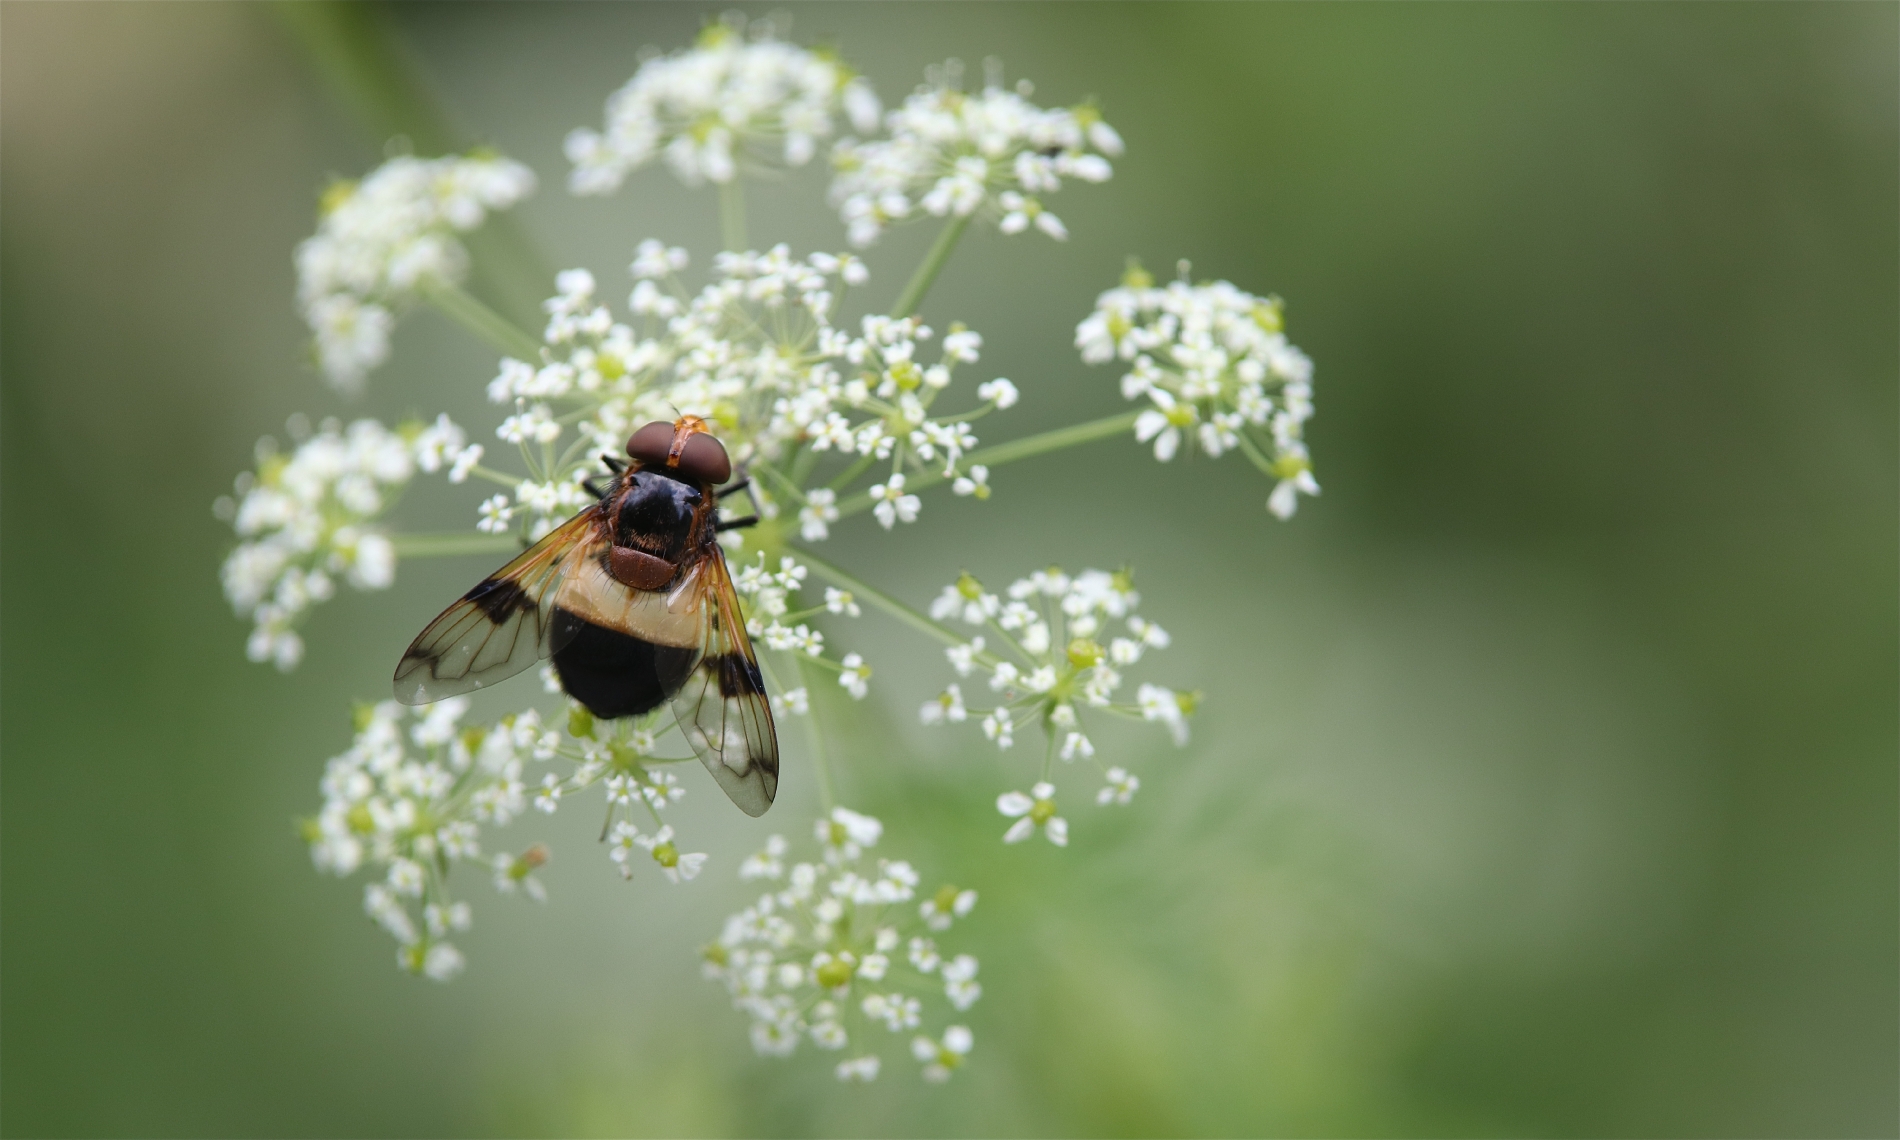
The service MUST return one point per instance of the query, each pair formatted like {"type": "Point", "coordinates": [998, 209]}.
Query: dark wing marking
{"type": "Point", "coordinates": [722, 710]}
{"type": "Point", "coordinates": [503, 625]}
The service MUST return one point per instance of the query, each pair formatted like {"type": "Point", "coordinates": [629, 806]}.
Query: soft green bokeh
{"type": "Point", "coordinates": [1546, 781]}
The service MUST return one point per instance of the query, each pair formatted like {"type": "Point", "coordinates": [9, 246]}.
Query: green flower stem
{"type": "Point", "coordinates": [461, 307]}
{"type": "Point", "coordinates": [934, 262]}
{"type": "Point", "coordinates": [784, 484]}
{"type": "Point", "coordinates": [815, 740]}
{"type": "Point", "coordinates": [1006, 452]}
{"type": "Point", "coordinates": [498, 478]}
{"type": "Point", "coordinates": [732, 215]}
{"type": "Point", "coordinates": [857, 468]}
{"type": "Point", "coordinates": [458, 542]}
{"type": "Point", "coordinates": [1252, 451]}
{"type": "Point", "coordinates": [357, 52]}
{"type": "Point", "coordinates": [881, 600]}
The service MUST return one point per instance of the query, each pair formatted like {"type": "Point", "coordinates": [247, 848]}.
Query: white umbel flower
{"type": "Point", "coordinates": [309, 520]}
{"type": "Point", "coordinates": [954, 154]}
{"type": "Point", "coordinates": [384, 237]}
{"type": "Point", "coordinates": [835, 953]}
{"type": "Point", "coordinates": [941, 1058]}
{"type": "Point", "coordinates": [711, 107]}
{"type": "Point", "coordinates": [1214, 366]}
{"type": "Point", "coordinates": [1034, 811]}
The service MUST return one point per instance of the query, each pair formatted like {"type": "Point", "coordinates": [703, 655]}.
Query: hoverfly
{"type": "Point", "coordinates": [632, 600]}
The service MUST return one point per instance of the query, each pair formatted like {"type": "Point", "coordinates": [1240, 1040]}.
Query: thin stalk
{"type": "Point", "coordinates": [858, 467]}
{"type": "Point", "coordinates": [461, 307]}
{"type": "Point", "coordinates": [445, 545]}
{"type": "Point", "coordinates": [732, 214]}
{"type": "Point", "coordinates": [934, 262]}
{"type": "Point", "coordinates": [815, 739]}
{"type": "Point", "coordinates": [1253, 453]}
{"type": "Point", "coordinates": [493, 476]}
{"type": "Point", "coordinates": [1003, 453]}
{"type": "Point", "coordinates": [354, 48]}
{"type": "Point", "coordinates": [881, 600]}
{"type": "Point", "coordinates": [358, 53]}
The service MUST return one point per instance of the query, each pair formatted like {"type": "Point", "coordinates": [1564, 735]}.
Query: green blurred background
{"type": "Point", "coordinates": [1546, 783]}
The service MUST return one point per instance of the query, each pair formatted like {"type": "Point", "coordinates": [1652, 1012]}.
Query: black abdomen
{"type": "Point", "coordinates": [613, 674]}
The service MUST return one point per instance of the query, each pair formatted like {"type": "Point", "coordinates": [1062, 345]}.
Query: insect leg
{"type": "Point", "coordinates": [614, 465]}
{"type": "Point", "coordinates": [593, 489]}
{"type": "Point", "coordinates": [736, 524]}
{"type": "Point", "coordinates": [735, 487]}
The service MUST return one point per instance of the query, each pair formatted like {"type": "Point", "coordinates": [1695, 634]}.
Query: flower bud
{"type": "Point", "coordinates": [580, 722]}
{"type": "Point", "coordinates": [1084, 653]}
{"type": "Point", "coordinates": [1270, 314]}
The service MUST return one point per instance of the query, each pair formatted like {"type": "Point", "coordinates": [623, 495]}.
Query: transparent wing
{"type": "Point", "coordinates": [503, 625]}
{"type": "Point", "coordinates": [721, 707]}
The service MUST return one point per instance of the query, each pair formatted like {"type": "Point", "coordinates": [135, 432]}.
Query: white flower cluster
{"type": "Point", "coordinates": [755, 353]}
{"type": "Point", "coordinates": [1214, 363]}
{"type": "Point", "coordinates": [1056, 646]}
{"type": "Point", "coordinates": [305, 521]}
{"type": "Point", "coordinates": [409, 798]}
{"type": "Point", "coordinates": [954, 154]}
{"type": "Point", "coordinates": [768, 596]}
{"type": "Point", "coordinates": [382, 238]}
{"type": "Point", "coordinates": [841, 953]}
{"type": "Point", "coordinates": [699, 109]}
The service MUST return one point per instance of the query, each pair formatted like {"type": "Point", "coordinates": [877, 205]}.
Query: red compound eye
{"type": "Point", "coordinates": [702, 458]}
{"type": "Point", "coordinates": [651, 443]}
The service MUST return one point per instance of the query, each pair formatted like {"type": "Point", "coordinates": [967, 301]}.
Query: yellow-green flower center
{"type": "Point", "coordinates": [580, 722]}
{"type": "Point", "coordinates": [334, 195]}
{"type": "Point", "coordinates": [1289, 466]}
{"type": "Point", "coordinates": [1269, 315]}
{"type": "Point", "coordinates": [1042, 811]}
{"type": "Point", "coordinates": [834, 973]}
{"type": "Point", "coordinates": [1084, 653]}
